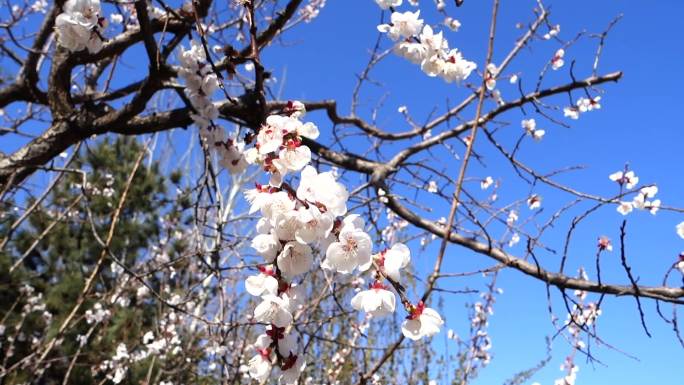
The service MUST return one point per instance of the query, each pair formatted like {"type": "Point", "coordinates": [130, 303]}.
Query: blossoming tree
{"type": "Point", "coordinates": [280, 244]}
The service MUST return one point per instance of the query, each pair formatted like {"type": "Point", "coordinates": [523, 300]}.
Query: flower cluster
{"type": "Point", "coordinates": [530, 126]}
{"type": "Point", "coordinates": [553, 32]}
{"type": "Point", "coordinates": [584, 315]}
{"type": "Point", "coordinates": [557, 60]}
{"type": "Point", "coordinates": [629, 180]}
{"type": "Point", "coordinates": [421, 45]}
{"type": "Point", "coordinates": [582, 105]}
{"type": "Point", "coordinates": [200, 84]}
{"type": "Point", "coordinates": [386, 4]}
{"type": "Point", "coordinates": [311, 10]}
{"type": "Point", "coordinates": [80, 26]}
{"type": "Point", "coordinates": [293, 224]}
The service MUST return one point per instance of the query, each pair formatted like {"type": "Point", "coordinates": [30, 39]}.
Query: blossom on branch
{"type": "Point", "coordinates": [421, 322]}
{"type": "Point", "coordinates": [80, 26]}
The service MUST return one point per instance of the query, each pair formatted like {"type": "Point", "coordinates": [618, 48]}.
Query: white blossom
{"type": "Point", "coordinates": [267, 245]}
{"type": "Point", "coordinates": [395, 259]}
{"type": "Point", "coordinates": [273, 310]}
{"type": "Point", "coordinates": [486, 182]}
{"type": "Point", "coordinates": [351, 251]}
{"type": "Point", "coordinates": [530, 126]}
{"type": "Point", "coordinates": [377, 301]}
{"type": "Point", "coordinates": [571, 112]}
{"type": "Point", "coordinates": [411, 51]}
{"type": "Point", "coordinates": [323, 188]}
{"type": "Point", "coordinates": [628, 179]}
{"type": "Point", "coordinates": [512, 217]}
{"type": "Point", "coordinates": [260, 364]}
{"type": "Point", "coordinates": [313, 224]}
{"type": "Point", "coordinates": [625, 208]}
{"type": "Point", "coordinates": [490, 75]}
{"type": "Point", "coordinates": [557, 60]}
{"type": "Point", "coordinates": [385, 4]}
{"type": "Point", "coordinates": [515, 238]}
{"type": "Point", "coordinates": [296, 258]}
{"type": "Point", "coordinates": [455, 68]}
{"type": "Point", "coordinates": [422, 322]}
{"type": "Point", "coordinates": [80, 25]}
{"type": "Point", "coordinates": [262, 283]}
{"type": "Point", "coordinates": [402, 25]}
{"type": "Point", "coordinates": [452, 23]}
{"type": "Point", "coordinates": [552, 32]}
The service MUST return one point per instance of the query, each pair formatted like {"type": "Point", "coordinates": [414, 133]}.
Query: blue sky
{"type": "Point", "coordinates": [639, 124]}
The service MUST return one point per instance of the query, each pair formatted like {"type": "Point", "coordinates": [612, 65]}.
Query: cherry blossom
{"type": "Point", "coordinates": [385, 4]}
{"type": "Point", "coordinates": [404, 25]}
{"type": "Point", "coordinates": [625, 208]}
{"type": "Point", "coordinates": [640, 200]}
{"type": "Point", "coordinates": [267, 245]}
{"type": "Point", "coordinates": [39, 6]}
{"type": "Point", "coordinates": [649, 191]}
{"type": "Point", "coordinates": [571, 112]}
{"type": "Point", "coordinates": [395, 259]}
{"type": "Point", "coordinates": [452, 23]}
{"type": "Point", "coordinates": [313, 224]}
{"type": "Point", "coordinates": [352, 250]}
{"type": "Point", "coordinates": [80, 26]}
{"type": "Point", "coordinates": [587, 104]}
{"type": "Point", "coordinates": [552, 32]}
{"type": "Point", "coordinates": [411, 51]}
{"type": "Point", "coordinates": [232, 156]}
{"type": "Point", "coordinates": [455, 68]}
{"type": "Point", "coordinates": [486, 182]}
{"type": "Point", "coordinates": [512, 217]}
{"type": "Point", "coordinates": [273, 310]}
{"type": "Point", "coordinates": [628, 179]}
{"type": "Point", "coordinates": [422, 322]}
{"type": "Point", "coordinates": [680, 229]}
{"type": "Point", "coordinates": [515, 238]}
{"type": "Point", "coordinates": [262, 283]}
{"type": "Point", "coordinates": [260, 364]}
{"type": "Point", "coordinates": [296, 258]}
{"type": "Point", "coordinates": [324, 189]}
{"type": "Point", "coordinates": [490, 76]}
{"type": "Point", "coordinates": [376, 301]}
{"type": "Point", "coordinates": [557, 60]}
{"type": "Point", "coordinates": [530, 126]}
{"type": "Point", "coordinates": [433, 54]}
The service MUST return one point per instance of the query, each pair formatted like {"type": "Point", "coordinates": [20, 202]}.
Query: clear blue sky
{"type": "Point", "coordinates": [639, 123]}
